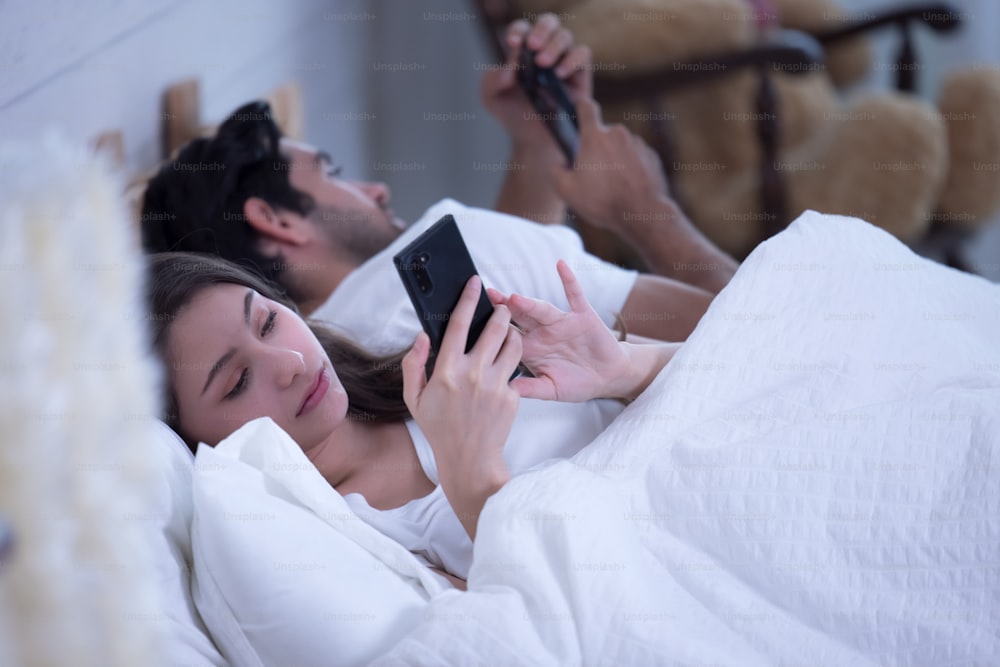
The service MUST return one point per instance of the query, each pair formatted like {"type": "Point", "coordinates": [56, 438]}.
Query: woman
{"type": "Point", "coordinates": [236, 350]}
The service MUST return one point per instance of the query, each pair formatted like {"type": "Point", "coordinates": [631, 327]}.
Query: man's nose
{"type": "Point", "coordinates": [376, 191]}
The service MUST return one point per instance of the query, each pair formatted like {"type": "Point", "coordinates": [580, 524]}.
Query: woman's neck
{"type": "Point", "coordinates": [378, 461]}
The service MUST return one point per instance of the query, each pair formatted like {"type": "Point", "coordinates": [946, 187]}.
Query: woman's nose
{"type": "Point", "coordinates": [288, 364]}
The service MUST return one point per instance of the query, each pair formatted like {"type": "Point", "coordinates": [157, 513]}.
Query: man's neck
{"type": "Point", "coordinates": [313, 299]}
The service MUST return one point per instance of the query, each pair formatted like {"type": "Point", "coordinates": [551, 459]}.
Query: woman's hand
{"type": "Point", "coordinates": [575, 356]}
{"type": "Point", "coordinates": [467, 407]}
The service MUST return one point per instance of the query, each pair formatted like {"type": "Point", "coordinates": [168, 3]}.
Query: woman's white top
{"type": "Point", "coordinates": [542, 430]}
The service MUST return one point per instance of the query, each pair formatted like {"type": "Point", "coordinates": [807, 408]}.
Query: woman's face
{"type": "Point", "coordinates": [234, 356]}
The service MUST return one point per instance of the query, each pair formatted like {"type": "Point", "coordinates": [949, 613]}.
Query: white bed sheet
{"type": "Point", "coordinates": [813, 480]}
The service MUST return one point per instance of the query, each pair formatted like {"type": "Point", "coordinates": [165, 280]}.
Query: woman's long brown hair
{"type": "Point", "coordinates": [374, 384]}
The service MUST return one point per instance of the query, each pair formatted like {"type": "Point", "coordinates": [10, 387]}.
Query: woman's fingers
{"type": "Point", "coordinates": [574, 291]}
{"type": "Point", "coordinates": [510, 353]}
{"type": "Point", "coordinates": [497, 298]}
{"type": "Point", "coordinates": [492, 337]}
{"type": "Point", "coordinates": [525, 312]}
{"type": "Point", "coordinates": [413, 366]}
{"type": "Point", "coordinates": [531, 314]}
{"type": "Point", "coordinates": [538, 387]}
{"type": "Point", "coordinates": [457, 332]}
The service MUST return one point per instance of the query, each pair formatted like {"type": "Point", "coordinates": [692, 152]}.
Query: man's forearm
{"type": "Point", "coordinates": [526, 191]}
{"type": "Point", "coordinates": [673, 247]}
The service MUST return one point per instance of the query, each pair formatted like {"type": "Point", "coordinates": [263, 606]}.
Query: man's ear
{"type": "Point", "coordinates": [283, 227]}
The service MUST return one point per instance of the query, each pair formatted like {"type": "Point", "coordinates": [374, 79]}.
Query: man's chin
{"type": "Point", "coordinates": [399, 224]}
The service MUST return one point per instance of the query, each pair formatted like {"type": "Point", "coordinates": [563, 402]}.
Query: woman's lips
{"type": "Point", "coordinates": [316, 392]}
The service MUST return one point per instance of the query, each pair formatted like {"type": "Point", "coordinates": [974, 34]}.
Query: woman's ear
{"type": "Point", "coordinates": [282, 227]}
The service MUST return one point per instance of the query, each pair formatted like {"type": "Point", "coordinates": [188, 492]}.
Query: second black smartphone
{"type": "Point", "coordinates": [550, 99]}
{"type": "Point", "coordinates": [434, 268]}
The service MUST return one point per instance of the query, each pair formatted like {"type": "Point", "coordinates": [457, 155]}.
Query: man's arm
{"type": "Point", "coordinates": [663, 308]}
{"type": "Point", "coordinates": [618, 183]}
{"type": "Point", "coordinates": [671, 245]}
{"type": "Point", "coordinates": [527, 190]}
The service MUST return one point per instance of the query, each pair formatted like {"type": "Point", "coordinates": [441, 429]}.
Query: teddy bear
{"type": "Point", "coordinates": [888, 157]}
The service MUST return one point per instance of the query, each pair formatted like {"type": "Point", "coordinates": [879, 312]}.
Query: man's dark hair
{"type": "Point", "coordinates": [195, 201]}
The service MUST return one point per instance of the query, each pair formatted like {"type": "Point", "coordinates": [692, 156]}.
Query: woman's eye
{"type": "Point", "coordinates": [241, 385]}
{"type": "Point", "coordinates": [333, 170]}
{"type": "Point", "coordinates": [268, 323]}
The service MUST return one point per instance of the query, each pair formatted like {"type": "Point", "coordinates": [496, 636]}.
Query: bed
{"type": "Point", "coordinates": [812, 480]}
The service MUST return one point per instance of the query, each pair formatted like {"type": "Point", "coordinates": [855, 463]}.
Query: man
{"type": "Point", "coordinates": [280, 206]}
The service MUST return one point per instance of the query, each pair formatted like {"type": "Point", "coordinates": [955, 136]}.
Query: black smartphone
{"type": "Point", "coordinates": [434, 268]}
{"type": "Point", "coordinates": [550, 99]}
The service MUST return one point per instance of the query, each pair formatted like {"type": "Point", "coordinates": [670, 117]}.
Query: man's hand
{"type": "Point", "coordinates": [503, 97]}
{"type": "Point", "coordinates": [616, 174]}
{"type": "Point", "coordinates": [618, 183]}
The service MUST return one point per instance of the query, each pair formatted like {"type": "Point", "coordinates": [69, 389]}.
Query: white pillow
{"type": "Point", "coordinates": [284, 572]}
{"type": "Point", "coordinates": [170, 538]}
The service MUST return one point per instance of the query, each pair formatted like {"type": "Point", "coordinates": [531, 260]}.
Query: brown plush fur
{"type": "Point", "coordinates": [890, 158]}
{"type": "Point", "coordinates": [846, 62]}
{"type": "Point", "coordinates": [651, 34]}
{"type": "Point", "coordinates": [970, 108]}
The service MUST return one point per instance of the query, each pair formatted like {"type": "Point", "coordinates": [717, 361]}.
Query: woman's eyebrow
{"type": "Point", "coordinates": [224, 359]}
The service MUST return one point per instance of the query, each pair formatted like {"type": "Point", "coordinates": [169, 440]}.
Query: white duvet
{"type": "Point", "coordinates": [813, 480]}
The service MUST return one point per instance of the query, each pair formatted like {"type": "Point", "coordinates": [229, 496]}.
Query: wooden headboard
{"type": "Point", "coordinates": [182, 113]}
{"type": "Point", "coordinates": [182, 122]}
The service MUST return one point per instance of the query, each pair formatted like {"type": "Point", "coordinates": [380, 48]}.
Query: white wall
{"type": "Point", "coordinates": [87, 67]}
{"type": "Point", "coordinates": [432, 129]}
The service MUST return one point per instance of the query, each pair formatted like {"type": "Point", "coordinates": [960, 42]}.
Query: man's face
{"type": "Point", "coordinates": [354, 216]}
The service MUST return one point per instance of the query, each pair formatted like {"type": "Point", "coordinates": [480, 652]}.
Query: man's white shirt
{"type": "Point", "coordinates": [511, 254]}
